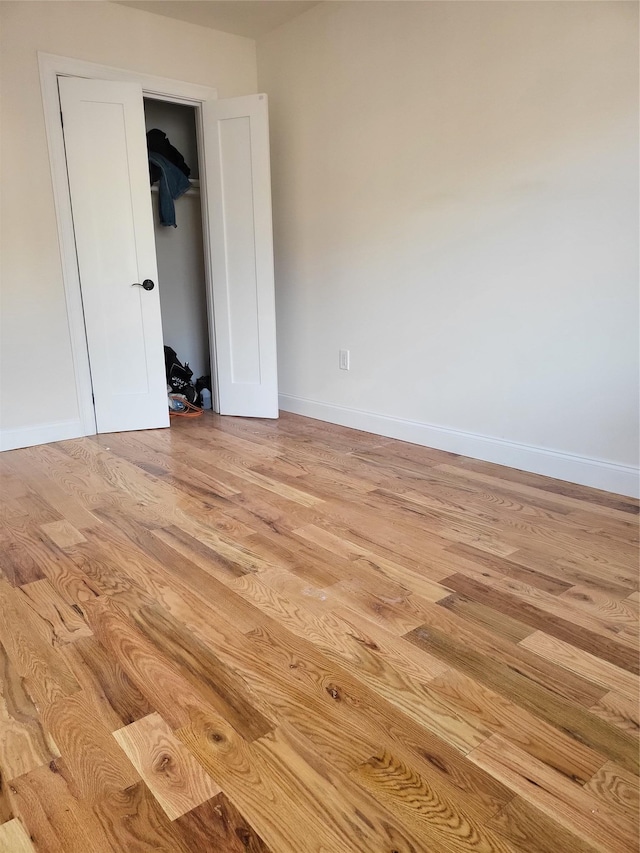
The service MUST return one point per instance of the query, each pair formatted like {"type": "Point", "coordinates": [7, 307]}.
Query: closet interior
{"type": "Point", "coordinates": [179, 250]}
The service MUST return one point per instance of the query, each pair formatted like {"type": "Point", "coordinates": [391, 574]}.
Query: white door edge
{"type": "Point", "coordinates": [243, 287]}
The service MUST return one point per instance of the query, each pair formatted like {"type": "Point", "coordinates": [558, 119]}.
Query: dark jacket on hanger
{"type": "Point", "coordinates": [173, 183]}
{"type": "Point", "coordinates": [158, 142]}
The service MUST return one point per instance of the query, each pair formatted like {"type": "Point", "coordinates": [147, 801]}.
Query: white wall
{"type": "Point", "coordinates": [37, 388]}
{"type": "Point", "coordinates": [455, 200]}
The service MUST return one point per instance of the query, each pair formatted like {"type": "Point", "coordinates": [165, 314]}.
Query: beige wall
{"type": "Point", "coordinates": [37, 383]}
{"type": "Point", "coordinates": [455, 199]}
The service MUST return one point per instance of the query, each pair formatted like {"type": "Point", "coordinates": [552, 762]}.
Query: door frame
{"type": "Point", "coordinates": [160, 88]}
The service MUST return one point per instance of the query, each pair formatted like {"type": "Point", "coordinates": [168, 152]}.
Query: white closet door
{"type": "Point", "coordinates": [238, 180]}
{"type": "Point", "coordinates": [105, 143]}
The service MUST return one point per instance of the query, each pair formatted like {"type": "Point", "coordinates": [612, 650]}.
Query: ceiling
{"type": "Point", "coordinates": [251, 18]}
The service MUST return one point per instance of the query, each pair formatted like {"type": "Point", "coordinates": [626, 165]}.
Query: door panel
{"type": "Point", "coordinates": [104, 133]}
{"type": "Point", "coordinates": [236, 139]}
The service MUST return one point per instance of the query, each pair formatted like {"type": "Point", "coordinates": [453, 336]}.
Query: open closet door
{"type": "Point", "coordinates": [104, 135]}
{"type": "Point", "coordinates": [238, 181]}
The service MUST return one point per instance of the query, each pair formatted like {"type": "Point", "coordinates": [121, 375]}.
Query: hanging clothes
{"type": "Point", "coordinates": [172, 184]}
{"type": "Point", "coordinates": [167, 167]}
{"type": "Point", "coordinates": [158, 142]}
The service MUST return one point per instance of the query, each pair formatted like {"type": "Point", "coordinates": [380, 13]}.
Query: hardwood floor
{"type": "Point", "coordinates": [291, 637]}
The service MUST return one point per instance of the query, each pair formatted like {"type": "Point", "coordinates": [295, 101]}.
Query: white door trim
{"type": "Point", "coordinates": [163, 88]}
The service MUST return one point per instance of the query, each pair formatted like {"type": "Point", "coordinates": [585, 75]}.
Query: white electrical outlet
{"type": "Point", "coordinates": [344, 359]}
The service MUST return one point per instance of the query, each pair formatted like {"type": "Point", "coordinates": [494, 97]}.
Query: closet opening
{"type": "Point", "coordinates": [95, 123]}
{"type": "Point", "coordinates": [180, 252]}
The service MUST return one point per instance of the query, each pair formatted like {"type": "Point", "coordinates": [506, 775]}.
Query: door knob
{"type": "Point", "coordinates": [147, 284]}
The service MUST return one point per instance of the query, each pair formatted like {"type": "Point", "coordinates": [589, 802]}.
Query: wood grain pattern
{"type": "Point", "coordinates": [157, 678]}
{"type": "Point", "coordinates": [65, 623]}
{"type": "Point", "coordinates": [6, 810]}
{"type": "Point", "coordinates": [535, 698]}
{"type": "Point", "coordinates": [593, 641]}
{"type": "Point", "coordinates": [220, 687]}
{"type": "Point", "coordinates": [14, 838]}
{"type": "Point", "coordinates": [292, 637]}
{"type": "Point", "coordinates": [261, 791]}
{"type": "Point", "coordinates": [26, 640]}
{"type": "Point", "coordinates": [101, 675]}
{"type": "Point", "coordinates": [363, 818]}
{"type": "Point", "coordinates": [44, 480]}
{"type": "Point", "coordinates": [62, 533]}
{"type": "Point", "coordinates": [530, 830]}
{"type": "Point", "coordinates": [588, 666]}
{"type": "Point", "coordinates": [401, 704]}
{"type": "Point", "coordinates": [511, 569]}
{"type": "Point", "coordinates": [43, 800]}
{"type": "Point", "coordinates": [60, 818]}
{"type": "Point", "coordinates": [171, 773]}
{"type": "Point", "coordinates": [283, 789]}
{"type": "Point", "coordinates": [24, 554]}
{"type": "Point", "coordinates": [213, 561]}
{"type": "Point", "coordinates": [572, 806]}
{"type": "Point", "coordinates": [495, 655]}
{"type": "Point", "coordinates": [488, 617]}
{"type": "Point", "coordinates": [554, 745]}
{"type": "Point", "coordinates": [294, 687]}
{"type": "Point", "coordinates": [397, 613]}
{"type": "Point", "coordinates": [616, 788]}
{"type": "Point", "coordinates": [389, 568]}
{"type": "Point", "coordinates": [620, 711]}
{"type": "Point", "coordinates": [24, 742]}
{"type": "Point", "coordinates": [442, 823]}
{"type": "Point", "coordinates": [218, 827]}
{"type": "Point", "coordinates": [132, 820]}
{"type": "Point", "coordinates": [98, 767]}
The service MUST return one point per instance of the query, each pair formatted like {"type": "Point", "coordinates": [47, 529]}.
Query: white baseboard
{"type": "Point", "coordinates": [608, 476]}
{"type": "Point", "coordinates": [12, 439]}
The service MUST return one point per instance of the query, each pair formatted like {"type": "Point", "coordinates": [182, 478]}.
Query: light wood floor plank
{"type": "Point", "coordinates": [24, 742]}
{"type": "Point", "coordinates": [170, 771]}
{"type": "Point", "coordinates": [14, 838]}
{"type": "Point", "coordinates": [617, 789]}
{"type": "Point", "coordinates": [582, 663]}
